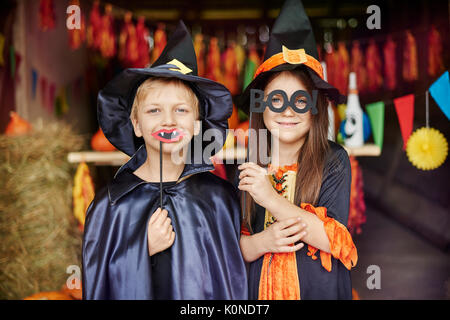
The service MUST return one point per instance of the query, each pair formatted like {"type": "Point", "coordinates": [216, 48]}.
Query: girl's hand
{"type": "Point", "coordinates": [280, 236]}
{"type": "Point", "coordinates": [160, 234]}
{"type": "Point", "coordinates": [255, 181]}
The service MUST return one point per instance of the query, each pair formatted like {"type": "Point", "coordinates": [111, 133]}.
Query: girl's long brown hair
{"type": "Point", "coordinates": [312, 154]}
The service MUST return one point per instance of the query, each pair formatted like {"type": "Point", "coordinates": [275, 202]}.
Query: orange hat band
{"type": "Point", "coordinates": [280, 58]}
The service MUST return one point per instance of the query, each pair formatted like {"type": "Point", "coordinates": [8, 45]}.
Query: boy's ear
{"type": "Point", "coordinates": [136, 127]}
{"type": "Point", "coordinates": [197, 125]}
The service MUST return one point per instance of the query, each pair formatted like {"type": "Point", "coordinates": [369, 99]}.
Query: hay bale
{"type": "Point", "coordinates": [39, 237]}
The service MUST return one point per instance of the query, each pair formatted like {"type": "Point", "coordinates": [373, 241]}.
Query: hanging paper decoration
{"type": "Point", "coordinates": [230, 69]}
{"type": "Point", "coordinates": [213, 61]}
{"type": "Point", "coordinates": [375, 112]}
{"type": "Point", "coordinates": [427, 149]}
{"type": "Point", "coordinates": [128, 45]}
{"type": "Point", "coordinates": [77, 36]}
{"type": "Point", "coordinates": [252, 64]}
{"type": "Point", "coordinates": [17, 126]}
{"type": "Point", "coordinates": [142, 34]}
{"type": "Point", "coordinates": [373, 67]}
{"type": "Point", "coordinates": [83, 192]}
{"type": "Point", "coordinates": [405, 113]}
{"type": "Point", "coordinates": [240, 57]}
{"type": "Point", "coordinates": [46, 15]}
{"type": "Point", "coordinates": [34, 80]}
{"type": "Point", "coordinates": [390, 64]}
{"type": "Point", "coordinates": [319, 52]}
{"type": "Point", "coordinates": [410, 68]}
{"type": "Point", "coordinates": [358, 66]}
{"type": "Point", "coordinates": [2, 47]}
{"type": "Point", "coordinates": [343, 68]}
{"type": "Point", "coordinates": [95, 27]}
{"type": "Point", "coordinates": [440, 91]}
{"type": "Point", "coordinates": [160, 41]}
{"type": "Point", "coordinates": [199, 48]}
{"type": "Point", "coordinates": [331, 62]}
{"type": "Point", "coordinates": [435, 63]}
{"type": "Point", "coordinates": [107, 37]}
{"type": "Point", "coordinates": [357, 212]}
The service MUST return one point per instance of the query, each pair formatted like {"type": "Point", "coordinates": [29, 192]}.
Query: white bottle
{"type": "Point", "coordinates": [354, 114]}
{"type": "Point", "coordinates": [331, 135]}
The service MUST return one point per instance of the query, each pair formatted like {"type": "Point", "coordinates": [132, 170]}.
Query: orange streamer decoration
{"type": "Point", "coordinates": [358, 66]}
{"type": "Point", "coordinates": [107, 38]}
{"type": "Point", "coordinates": [435, 63]}
{"type": "Point", "coordinates": [77, 36]}
{"type": "Point", "coordinates": [410, 68]}
{"type": "Point", "coordinates": [95, 27]}
{"type": "Point", "coordinates": [160, 41]}
{"type": "Point", "coordinates": [373, 63]}
{"type": "Point", "coordinates": [231, 69]}
{"type": "Point", "coordinates": [213, 65]}
{"type": "Point", "coordinates": [128, 44]}
{"type": "Point", "coordinates": [390, 64]}
{"type": "Point", "coordinates": [343, 67]}
{"type": "Point", "coordinates": [199, 48]}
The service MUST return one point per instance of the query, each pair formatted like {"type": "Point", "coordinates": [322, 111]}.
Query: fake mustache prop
{"type": "Point", "coordinates": [165, 136]}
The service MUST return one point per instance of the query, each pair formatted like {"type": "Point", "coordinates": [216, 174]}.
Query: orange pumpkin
{"type": "Point", "coordinates": [76, 294]}
{"type": "Point", "coordinates": [100, 143]}
{"type": "Point", "coordinates": [53, 295]}
{"type": "Point", "coordinates": [17, 126]}
{"type": "Point", "coordinates": [233, 121]}
{"type": "Point", "coordinates": [242, 133]}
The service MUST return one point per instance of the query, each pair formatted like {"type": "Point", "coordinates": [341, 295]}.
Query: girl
{"type": "Point", "coordinates": [305, 195]}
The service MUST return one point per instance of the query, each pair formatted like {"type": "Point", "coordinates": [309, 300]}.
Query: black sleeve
{"type": "Point", "coordinates": [336, 183]}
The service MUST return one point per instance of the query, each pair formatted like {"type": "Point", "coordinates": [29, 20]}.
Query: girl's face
{"type": "Point", "coordinates": [288, 126]}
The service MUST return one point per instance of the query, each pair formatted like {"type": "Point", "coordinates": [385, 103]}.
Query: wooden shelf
{"type": "Point", "coordinates": [118, 158]}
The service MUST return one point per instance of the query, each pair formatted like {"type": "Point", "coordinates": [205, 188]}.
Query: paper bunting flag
{"type": "Point", "coordinates": [375, 112]}
{"type": "Point", "coordinates": [405, 113]}
{"type": "Point", "coordinates": [51, 97]}
{"type": "Point", "coordinates": [440, 91]}
{"type": "Point", "coordinates": [61, 106]}
{"type": "Point", "coordinates": [43, 85]}
{"type": "Point", "coordinates": [12, 60]}
{"type": "Point", "coordinates": [2, 47]}
{"type": "Point", "coordinates": [34, 80]}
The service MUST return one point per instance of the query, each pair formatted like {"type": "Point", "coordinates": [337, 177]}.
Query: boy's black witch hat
{"type": "Point", "coordinates": [178, 60]}
{"type": "Point", "coordinates": [291, 45]}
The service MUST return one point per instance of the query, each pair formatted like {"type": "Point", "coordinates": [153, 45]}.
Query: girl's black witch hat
{"type": "Point", "coordinates": [291, 45]}
{"type": "Point", "coordinates": [178, 60]}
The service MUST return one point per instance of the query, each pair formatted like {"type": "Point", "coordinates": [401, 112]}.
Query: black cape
{"type": "Point", "coordinates": [204, 262]}
{"type": "Point", "coordinates": [316, 283]}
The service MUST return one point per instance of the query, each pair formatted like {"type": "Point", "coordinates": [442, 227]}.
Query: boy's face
{"type": "Point", "coordinates": [166, 113]}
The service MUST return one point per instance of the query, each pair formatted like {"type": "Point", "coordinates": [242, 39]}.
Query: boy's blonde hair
{"type": "Point", "coordinates": [151, 83]}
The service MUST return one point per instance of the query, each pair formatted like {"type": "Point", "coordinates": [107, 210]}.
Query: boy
{"type": "Point", "coordinates": [189, 248]}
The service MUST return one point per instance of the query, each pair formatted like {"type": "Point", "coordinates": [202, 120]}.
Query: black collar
{"type": "Point", "coordinates": [125, 180]}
